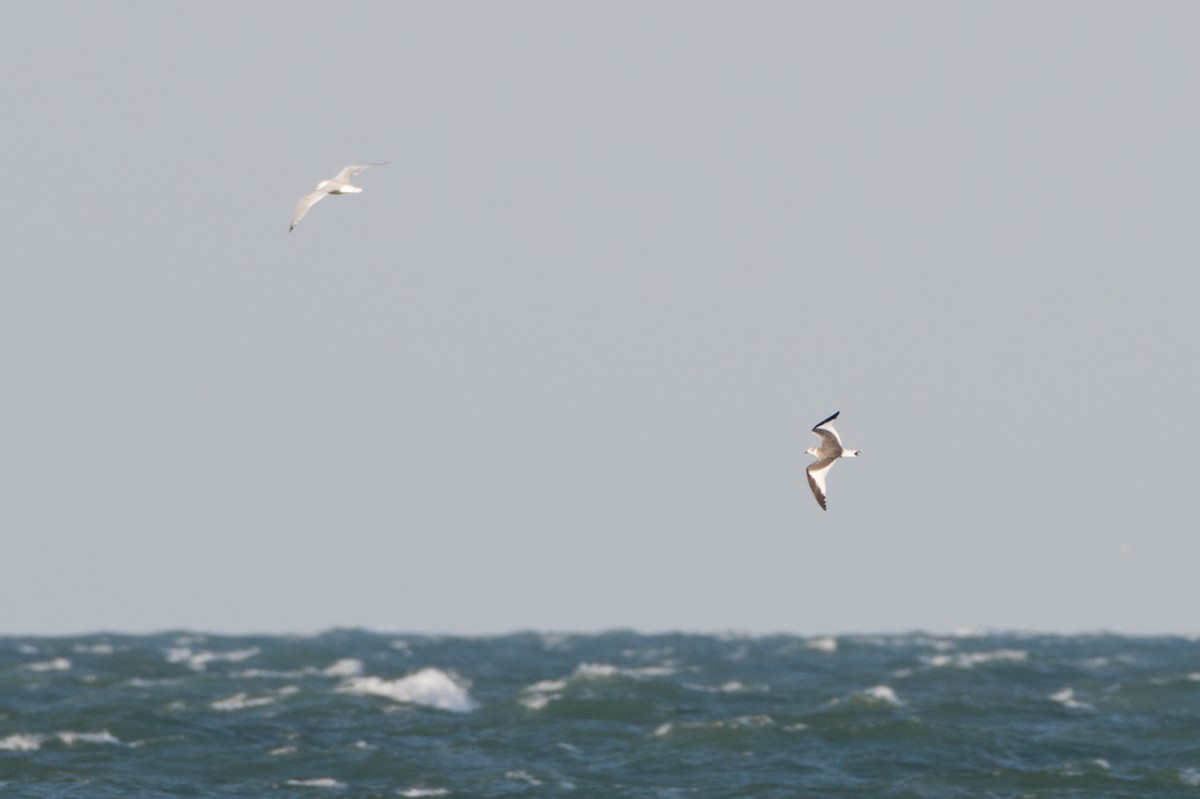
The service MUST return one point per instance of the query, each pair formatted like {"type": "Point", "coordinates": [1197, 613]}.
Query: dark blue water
{"type": "Point", "coordinates": [356, 714]}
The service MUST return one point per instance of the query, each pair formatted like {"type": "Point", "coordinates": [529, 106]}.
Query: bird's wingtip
{"type": "Point", "coordinates": [826, 421]}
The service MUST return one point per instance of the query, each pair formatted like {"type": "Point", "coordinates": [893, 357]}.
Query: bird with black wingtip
{"type": "Point", "coordinates": [826, 453]}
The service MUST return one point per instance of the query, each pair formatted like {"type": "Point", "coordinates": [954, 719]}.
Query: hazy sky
{"type": "Point", "coordinates": [555, 368]}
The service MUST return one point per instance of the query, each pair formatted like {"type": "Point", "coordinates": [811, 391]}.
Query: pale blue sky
{"type": "Point", "coordinates": [556, 366]}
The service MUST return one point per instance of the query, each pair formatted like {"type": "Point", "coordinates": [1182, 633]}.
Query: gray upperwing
{"type": "Point", "coordinates": [830, 440]}
{"type": "Point", "coordinates": [308, 201]}
{"type": "Point", "coordinates": [350, 171]}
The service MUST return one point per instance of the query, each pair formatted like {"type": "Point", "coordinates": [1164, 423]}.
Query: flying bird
{"type": "Point", "coordinates": [828, 451]}
{"type": "Point", "coordinates": [335, 185]}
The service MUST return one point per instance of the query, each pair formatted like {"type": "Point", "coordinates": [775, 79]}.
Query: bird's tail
{"type": "Point", "coordinates": [851, 453]}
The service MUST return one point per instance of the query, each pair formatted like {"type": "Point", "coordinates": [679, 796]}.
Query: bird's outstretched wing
{"type": "Point", "coordinates": [828, 436]}
{"type": "Point", "coordinates": [350, 171]}
{"type": "Point", "coordinates": [307, 202]}
{"type": "Point", "coordinates": [816, 478]}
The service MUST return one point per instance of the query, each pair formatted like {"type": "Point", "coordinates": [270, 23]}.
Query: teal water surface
{"type": "Point", "coordinates": [358, 714]}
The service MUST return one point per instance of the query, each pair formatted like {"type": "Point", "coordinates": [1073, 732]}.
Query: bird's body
{"type": "Point", "coordinates": [826, 453]}
{"type": "Point", "coordinates": [339, 184]}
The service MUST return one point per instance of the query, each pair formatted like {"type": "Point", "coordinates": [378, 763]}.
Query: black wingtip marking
{"type": "Point", "coordinates": [826, 421]}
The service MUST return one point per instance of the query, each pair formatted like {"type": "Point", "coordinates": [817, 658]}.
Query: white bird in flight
{"type": "Point", "coordinates": [828, 451]}
{"type": "Point", "coordinates": [335, 185]}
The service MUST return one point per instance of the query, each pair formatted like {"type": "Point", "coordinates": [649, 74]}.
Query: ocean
{"type": "Point", "coordinates": [351, 713]}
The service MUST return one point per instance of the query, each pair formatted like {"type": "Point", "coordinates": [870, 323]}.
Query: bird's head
{"type": "Point", "coordinates": [811, 451]}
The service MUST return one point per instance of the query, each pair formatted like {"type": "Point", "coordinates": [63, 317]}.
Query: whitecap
{"type": "Point", "coordinates": [523, 776]}
{"type": "Point", "coordinates": [540, 694]}
{"type": "Point", "coordinates": [603, 671]}
{"type": "Point", "coordinates": [758, 720]}
{"type": "Point", "coordinates": [595, 671]}
{"type": "Point", "coordinates": [103, 737]}
{"type": "Point", "coordinates": [93, 649]}
{"type": "Point", "coordinates": [650, 671]}
{"type": "Point", "coordinates": [881, 693]}
{"type": "Point", "coordinates": [753, 721]}
{"type": "Point", "coordinates": [730, 687]}
{"type": "Point", "coordinates": [537, 701]}
{"type": "Point", "coordinates": [969, 660]}
{"type": "Point", "coordinates": [555, 642]}
{"type": "Point", "coordinates": [240, 702]}
{"type": "Point", "coordinates": [1066, 698]}
{"type": "Point", "coordinates": [825, 643]}
{"type": "Point", "coordinates": [1190, 777]}
{"type": "Point", "coordinates": [271, 674]}
{"type": "Point", "coordinates": [429, 687]}
{"type": "Point", "coordinates": [21, 743]}
{"type": "Point", "coordinates": [346, 667]}
{"type": "Point", "coordinates": [546, 685]}
{"type": "Point", "coordinates": [415, 792]}
{"type": "Point", "coordinates": [283, 750]}
{"type": "Point", "coordinates": [318, 782]}
{"type": "Point", "coordinates": [57, 664]}
{"type": "Point", "coordinates": [198, 661]}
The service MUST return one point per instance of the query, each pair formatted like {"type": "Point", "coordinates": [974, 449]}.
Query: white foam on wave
{"type": "Point", "coordinates": [824, 643]}
{"type": "Point", "coordinates": [93, 649]}
{"type": "Point", "coordinates": [271, 674]}
{"type": "Point", "coordinates": [241, 702]}
{"type": "Point", "coordinates": [318, 782]}
{"type": "Point", "coordinates": [555, 642]}
{"type": "Point", "coordinates": [346, 667]}
{"type": "Point", "coordinates": [969, 660]}
{"type": "Point", "coordinates": [198, 661]}
{"type": "Point", "coordinates": [650, 671]}
{"type": "Point", "coordinates": [102, 737]}
{"type": "Point", "coordinates": [57, 664]}
{"type": "Point", "coordinates": [1066, 698]}
{"type": "Point", "coordinates": [538, 701]}
{"type": "Point", "coordinates": [546, 685]}
{"type": "Point", "coordinates": [521, 775]}
{"type": "Point", "coordinates": [540, 694]}
{"type": "Point", "coordinates": [1190, 777]}
{"type": "Point", "coordinates": [730, 687]}
{"type": "Point", "coordinates": [875, 695]}
{"type": "Point", "coordinates": [882, 693]}
{"type": "Point", "coordinates": [21, 743]}
{"type": "Point", "coordinates": [415, 792]}
{"type": "Point", "coordinates": [753, 721]}
{"type": "Point", "coordinates": [595, 671]}
{"type": "Point", "coordinates": [429, 687]}
{"type": "Point", "coordinates": [602, 671]}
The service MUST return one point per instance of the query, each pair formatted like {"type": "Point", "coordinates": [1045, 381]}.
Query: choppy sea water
{"type": "Point", "coordinates": [358, 714]}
